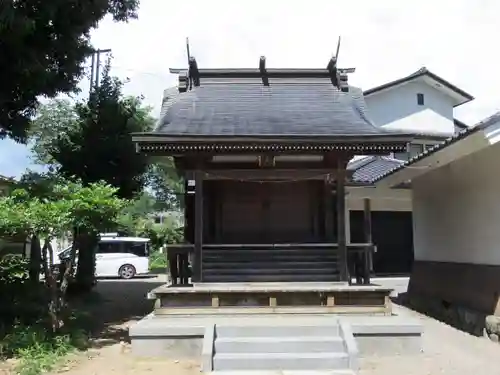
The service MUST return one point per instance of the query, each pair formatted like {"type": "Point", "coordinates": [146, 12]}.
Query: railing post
{"type": "Point", "coordinates": [173, 265]}
{"type": "Point", "coordinates": [366, 264]}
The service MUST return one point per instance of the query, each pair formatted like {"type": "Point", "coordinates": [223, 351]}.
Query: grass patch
{"type": "Point", "coordinates": [157, 262]}
{"type": "Point", "coordinates": [36, 351]}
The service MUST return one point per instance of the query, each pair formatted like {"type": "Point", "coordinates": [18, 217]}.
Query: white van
{"type": "Point", "coordinates": [124, 257]}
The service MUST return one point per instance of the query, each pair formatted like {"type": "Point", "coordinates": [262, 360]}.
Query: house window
{"type": "Point", "coordinates": [400, 155]}
{"type": "Point", "coordinates": [420, 99]}
{"type": "Point", "coordinates": [415, 149]}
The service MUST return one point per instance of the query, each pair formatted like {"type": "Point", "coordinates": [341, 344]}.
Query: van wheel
{"type": "Point", "coordinates": [127, 271]}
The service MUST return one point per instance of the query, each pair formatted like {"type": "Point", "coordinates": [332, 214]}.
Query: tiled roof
{"type": "Point", "coordinates": [368, 168]}
{"type": "Point", "coordinates": [247, 108]}
{"type": "Point", "coordinates": [449, 141]}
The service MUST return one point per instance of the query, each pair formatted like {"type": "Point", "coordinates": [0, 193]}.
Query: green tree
{"type": "Point", "coordinates": [54, 120]}
{"type": "Point", "coordinates": [44, 45]}
{"type": "Point", "coordinates": [83, 210]}
{"type": "Point", "coordinates": [166, 185]}
{"type": "Point", "coordinates": [99, 146]}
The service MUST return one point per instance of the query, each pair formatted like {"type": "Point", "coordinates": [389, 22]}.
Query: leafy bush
{"type": "Point", "coordinates": [22, 301]}
{"type": "Point", "coordinates": [37, 349]}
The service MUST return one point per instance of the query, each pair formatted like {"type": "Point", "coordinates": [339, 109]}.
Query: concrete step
{"type": "Point", "coordinates": [300, 329]}
{"type": "Point", "coordinates": [309, 344]}
{"type": "Point", "coordinates": [280, 361]}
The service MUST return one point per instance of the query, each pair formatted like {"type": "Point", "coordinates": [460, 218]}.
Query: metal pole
{"type": "Point", "coordinates": [92, 67]}
{"type": "Point", "coordinates": [97, 69]}
{"type": "Point", "coordinates": [97, 73]}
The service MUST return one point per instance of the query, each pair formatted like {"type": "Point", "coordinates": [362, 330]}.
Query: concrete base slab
{"type": "Point", "coordinates": [285, 372]}
{"type": "Point", "coordinates": [173, 335]}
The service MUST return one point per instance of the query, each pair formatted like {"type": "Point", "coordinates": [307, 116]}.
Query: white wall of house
{"type": "Point", "coordinates": [397, 108]}
{"type": "Point", "coordinates": [456, 210]}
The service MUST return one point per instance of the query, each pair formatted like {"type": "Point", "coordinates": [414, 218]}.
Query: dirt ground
{"type": "Point", "coordinates": [446, 350]}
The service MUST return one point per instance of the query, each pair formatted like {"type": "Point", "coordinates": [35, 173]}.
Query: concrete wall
{"type": "Point", "coordinates": [456, 218]}
{"type": "Point", "coordinates": [398, 109]}
{"type": "Point", "coordinates": [456, 209]}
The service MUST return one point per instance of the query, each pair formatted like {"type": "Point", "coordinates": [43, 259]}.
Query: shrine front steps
{"type": "Point", "coordinates": [284, 347]}
{"type": "Point", "coordinates": [195, 337]}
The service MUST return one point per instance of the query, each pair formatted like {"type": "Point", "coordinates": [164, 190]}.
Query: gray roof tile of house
{"type": "Point", "coordinates": [230, 107]}
{"type": "Point", "coordinates": [449, 141]}
{"type": "Point", "coordinates": [368, 168]}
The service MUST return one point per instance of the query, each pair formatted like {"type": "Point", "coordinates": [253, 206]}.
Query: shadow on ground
{"type": "Point", "coordinates": [112, 306]}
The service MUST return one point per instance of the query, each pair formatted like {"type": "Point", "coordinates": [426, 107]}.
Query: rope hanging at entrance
{"type": "Point", "coordinates": [314, 177]}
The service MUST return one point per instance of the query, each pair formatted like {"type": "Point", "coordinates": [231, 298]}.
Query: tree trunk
{"type": "Point", "coordinates": [51, 283]}
{"type": "Point", "coordinates": [85, 270]}
{"type": "Point", "coordinates": [69, 267]}
{"type": "Point", "coordinates": [35, 259]}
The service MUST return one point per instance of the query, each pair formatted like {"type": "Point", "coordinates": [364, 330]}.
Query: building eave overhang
{"type": "Point", "coordinates": [468, 141]}
{"type": "Point", "coordinates": [174, 144]}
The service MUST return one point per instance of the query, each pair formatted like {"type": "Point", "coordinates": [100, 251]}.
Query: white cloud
{"type": "Point", "coordinates": [383, 39]}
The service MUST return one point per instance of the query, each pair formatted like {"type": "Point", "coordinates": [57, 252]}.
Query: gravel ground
{"type": "Point", "coordinates": [445, 350]}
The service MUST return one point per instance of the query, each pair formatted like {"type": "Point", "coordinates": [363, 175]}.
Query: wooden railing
{"type": "Point", "coordinates": [359, 261]}
{"type": "Point", "coordinates": [359, 258]}
{"type": "Point", "coordinates": [178, 259]}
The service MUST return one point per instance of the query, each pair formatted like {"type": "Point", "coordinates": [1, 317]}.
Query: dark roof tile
{"type": "Point", "coordinates": [250, 109]}
{"type": "Point", "coordinates": [368, 168]}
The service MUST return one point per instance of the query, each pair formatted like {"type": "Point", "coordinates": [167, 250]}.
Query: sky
{"type": "Point", "coordinates": [384, 40]}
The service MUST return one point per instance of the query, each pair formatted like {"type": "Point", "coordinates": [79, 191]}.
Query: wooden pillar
{"type": "Point", "coordinates": [198, 226]}
{"type": "Point", "coordinates": [367, 224]}
{"type": "Point", "coordinates": [341, 228]}
{"type": "Point", "coordinates": [328, 214]}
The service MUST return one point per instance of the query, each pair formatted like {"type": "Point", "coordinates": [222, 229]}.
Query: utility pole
{"type": "Point", "coordinates": [95, 65]}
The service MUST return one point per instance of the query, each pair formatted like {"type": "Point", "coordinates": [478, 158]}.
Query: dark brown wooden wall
{"type": "Point", "coordinates": [253, 212]}
{"type": "Point", "coordinates": [392, 232]}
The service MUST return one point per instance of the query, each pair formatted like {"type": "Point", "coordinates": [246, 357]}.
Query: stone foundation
{"type": "Point", "coordinates": [460, 317]}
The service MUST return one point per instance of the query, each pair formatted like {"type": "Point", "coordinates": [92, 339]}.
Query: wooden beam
{"type": "Point", "coordinates": [258, 175]}
{"type": "Point", "coordinates": [263, 71]}
{"type": "Point", "coordinates": [341, 229]}
{"type": "Point", "coordinates": [194, 74]}
{"type": "Point", "coordinates": [198, 226]}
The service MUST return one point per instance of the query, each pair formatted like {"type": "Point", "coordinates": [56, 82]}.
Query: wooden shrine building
{"type": "Point", "coordinates": [264, 155]}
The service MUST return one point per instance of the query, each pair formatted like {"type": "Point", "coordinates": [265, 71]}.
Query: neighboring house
{"type": "Point", "coordinates": [421, 103]}
{"type": "Point", "coordinates": [171, 217]}
{"type": "Point", "coordinates": [6, 184]}
{"type": "Point", "coordinates": [456, 214]}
